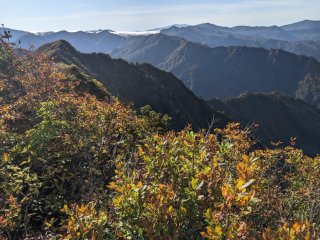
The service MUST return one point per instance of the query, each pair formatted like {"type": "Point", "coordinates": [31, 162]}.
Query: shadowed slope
{"type": "Point", "coordinates": [140, 84]}
{"type": "Point", "coordinates": [280, 117]}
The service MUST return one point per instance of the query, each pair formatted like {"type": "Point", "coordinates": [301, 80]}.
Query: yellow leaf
{"type": "Point", "coordinates": [112, 185]}
{"type": "Point", "coordinates": [245, 158]}
{"type": "Point", "coordinates": [183, 210]}
{"type": "Point", "coordinates": [296, 227]}
{"type": "Point", "coordinates": [240, 183]}
{"type": "Point", "coordinates": [140, 185]}
{"type": "Point", "coordinates": [6, 157]}
{"type": "Point", "coordinates": [81, 143]}
{"type": "Point", "coordinates": [208, 214]}
{"type": "Point", "coordinates": [170, 209]}
{"type": "Point", "coordinates": [65, 209]}
{"type": "Point", "coordinates": [194, 183]}
{"type": "Point", "coordinates": [47, 224]}
{"type": "Point", "coordinates": [140, 150]}
{"type": "Point", "coordinates": [218, 230]}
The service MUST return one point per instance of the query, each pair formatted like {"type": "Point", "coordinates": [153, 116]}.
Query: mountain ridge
{"type": "Point", "coordinates": [140, 84]}
{"type": "Point", "coordinates": [279, 117]}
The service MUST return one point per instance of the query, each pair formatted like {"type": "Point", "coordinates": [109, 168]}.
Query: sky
{"type": "Point", "coordinates": [139, 15]}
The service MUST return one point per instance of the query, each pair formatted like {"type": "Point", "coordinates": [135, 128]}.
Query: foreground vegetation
{"type": "Point", "coordinates": [77, 166]}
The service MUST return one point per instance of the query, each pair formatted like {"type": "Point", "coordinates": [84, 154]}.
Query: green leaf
{"type": "Point", "coordinates": [194, 183]}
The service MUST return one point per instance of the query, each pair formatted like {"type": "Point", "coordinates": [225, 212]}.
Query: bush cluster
{"type": "Point", "coordinates": [73, 166]}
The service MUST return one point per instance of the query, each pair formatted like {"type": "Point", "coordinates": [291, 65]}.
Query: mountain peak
{"type": "Point", "coordinates": [57, 46]}
{"type": "Point", "coordinates": [60, 50]}
{"type": "Point", "coordinates": [303, 25]}
{"type": "Point", "coordinates": [170, 26]}
{"type": "Point", "coordinates": [208, 26]}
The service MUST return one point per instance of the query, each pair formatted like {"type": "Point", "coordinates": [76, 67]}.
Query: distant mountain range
{"type": "Point", "coordinates": [222, 71]}
{"type": "Point", "coordinates": [304, 30]}
{"type": "Point", "coordinates": [300, 38]}
{"type": "Point", "coordinates": [87, 42]}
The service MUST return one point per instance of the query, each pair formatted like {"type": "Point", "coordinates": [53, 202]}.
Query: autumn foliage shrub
{"type": "Point", "coordinates": [74, 166]}
{"type": "Point", "coordinates": [190, 185]}
{"type": "Point", "coordinates": [85, 222]}
{"type": "Point", "coordinates": [180, 183]}
{"type": "Point", "coordinates": [57, 145]}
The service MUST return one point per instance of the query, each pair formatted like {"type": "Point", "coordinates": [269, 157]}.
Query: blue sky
{"type": "Point", "coordinates": [131, 15]}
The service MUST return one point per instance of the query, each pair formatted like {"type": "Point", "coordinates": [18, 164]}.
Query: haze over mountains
{"type": "Point", "coordinates": [300, 38]}
{"type": "Point", "coordinates": [304, 30]}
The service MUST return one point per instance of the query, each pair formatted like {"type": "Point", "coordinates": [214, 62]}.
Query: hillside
{"type": "Point", "coordinates": [222, 71]}
{"type": "Point", "coordinates": [139, 84]}
{"type": "Point", "coordinates": [309, 90]}
{"type": "Point", "coordinates": [279, 118]}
